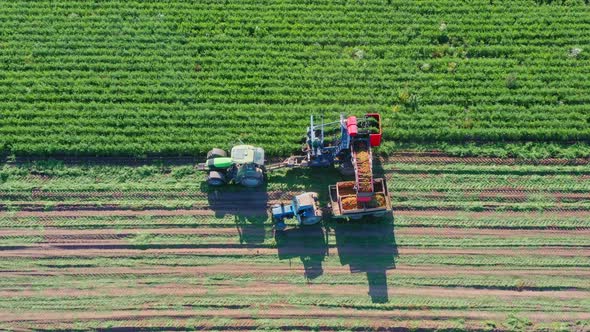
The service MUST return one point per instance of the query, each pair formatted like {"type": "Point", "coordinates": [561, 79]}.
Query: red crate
{"type": "Point", "coordinates": [375, 139]}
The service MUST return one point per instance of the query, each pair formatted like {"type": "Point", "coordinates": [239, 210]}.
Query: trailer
{"type": "Point", "coordinates": [344, 202]}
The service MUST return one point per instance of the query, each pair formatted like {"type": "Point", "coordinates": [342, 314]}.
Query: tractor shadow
{"type": "Point", "coordinates": [248, 206]}
{"type": "Point", "coordinates": [251, 229]}
{"type": "Point", "coordinates": [368, 246]}
{"type": "Point", "coordinates": [308, 243]}
{"type": "Point", "coordinates": [238, 200]}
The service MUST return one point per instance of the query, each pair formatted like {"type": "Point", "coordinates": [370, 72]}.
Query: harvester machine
{"type": "Point", "coordinates": [347, 145]}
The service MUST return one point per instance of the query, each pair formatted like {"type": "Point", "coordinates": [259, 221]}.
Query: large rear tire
{"type": "Point", "coordinates": [254, 180]}
{"type": "Point", "coordinates": [251, 182]}
{"type": "Point", "coordinates": [216, 179]}
{"type": "Point", "coordinates": [216, 153]}
{"type": "Point", "coordinates": [312, 220]}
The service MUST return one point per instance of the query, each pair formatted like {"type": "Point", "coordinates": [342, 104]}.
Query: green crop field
{"type": "Point", "coordinates": [135, 78]}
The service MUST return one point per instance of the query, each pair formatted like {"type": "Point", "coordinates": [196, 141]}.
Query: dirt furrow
{"type": "Point", "coordinates": [490, 195]}
{"type": "Point", "coordinates": [125, 248]}
{"type": "Point", "coordinates": [209, 212]}
{"type": "Point", "coordinates": [286, 268]}
{"type": "Point", "coordinates": [272, 312]}
{"type": "Point", "coordinates": [99, 234]}
{"type": "Point", "coordinates": [260, 289]}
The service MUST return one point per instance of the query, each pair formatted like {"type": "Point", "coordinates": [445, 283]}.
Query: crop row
{"type": "Point", "coordinates": [56, 178]}
{"type": "Point", "coordinates": [152, 239]}
{"type": "Point", "coordinates": [501, 220]}
{"type": "Point", "coordinates": [178, 114]}
{"type": "Point", "coordinates": [81, 281]}
{"type": "Point", "coordinates": [214, 300]}
{"type": "Point", "coordinates": [171, 260]}
{"type": "Point", "coordinates": [438, 72]}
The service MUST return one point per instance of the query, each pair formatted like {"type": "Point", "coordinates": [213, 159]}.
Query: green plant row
{"type": "Point", "coordinates": [499, 220]}
{"type": "Point", "coordinates": [152, 238]}
{"type": "Point", "coordinates": [163, 260]}
{"type": "Point", "coordinates": [180, 79]}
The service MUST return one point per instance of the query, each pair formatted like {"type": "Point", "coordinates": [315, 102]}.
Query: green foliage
{"type": "Point", "coordinates": [528, 150]}
{"type": "Point", "coordinates": [512, 81]}
{"type": "Point", "coordinates": [184, 79]}
{"type": "Point", "coordinates": [516, 323]}
{"type": "Point", "coordinates": [183, 171]}
{"type": "Point", "coordinates": [490, 325]}
{"type": "Point", "coordinates": [142, 240]}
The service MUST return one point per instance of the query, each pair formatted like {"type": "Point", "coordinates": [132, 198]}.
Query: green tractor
{"type": "Point", "coordinates": [244, 166]}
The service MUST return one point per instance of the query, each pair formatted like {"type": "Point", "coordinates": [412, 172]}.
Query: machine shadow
{"type": "Point", "coordinates": [308, 243]}
{"type": "Point", "coordinates": [249, 206]}
{"type": "Point", "coordinates": [239, 201]}
{"type": "Point", "coordinates": [368, 246]}
{"type": "Point", "coordinates": [251, 229]}
{"type": "Point", "coordinates": [300, 180]}
{"type": "Point", "coordinates": [378, 170]}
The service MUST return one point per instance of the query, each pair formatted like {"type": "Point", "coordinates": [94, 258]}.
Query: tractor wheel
{"type": "Point", "coordinates": [280, 225]}
{"type": "Point", "coordinates": [253, 180]}
{"type": "Point", "coordinates": [346, 169]}
{"type": "Point", "coordinates": [312, 220]}
{"type": "Point", "coordinates": [215, 153]}
{"type": "Point", "coordinates": [216, 179]}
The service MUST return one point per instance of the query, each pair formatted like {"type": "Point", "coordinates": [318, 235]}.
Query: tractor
{"type": "Point", "coordinates": [304, 208]}
{"type": "Point", "coordinates": [244, 166]}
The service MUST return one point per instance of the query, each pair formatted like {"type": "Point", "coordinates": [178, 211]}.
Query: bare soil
{"type": "Point", "coordinates": [109, 233]}
{"type": "Point", "coordinates": [259, 288]}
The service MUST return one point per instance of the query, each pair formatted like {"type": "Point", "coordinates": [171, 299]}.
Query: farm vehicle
{"type": "Point", "coordinates": [346, 144]}
{"type": "Point", "coordinates": [244, 166]}
{"type": "Point", "coordinates": [304, 208]}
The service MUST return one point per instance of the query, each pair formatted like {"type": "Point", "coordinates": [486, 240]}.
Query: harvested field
{"type": "Point", "coordinates": [126, 255]}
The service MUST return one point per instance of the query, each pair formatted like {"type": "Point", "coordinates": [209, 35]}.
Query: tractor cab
{"type": "Point", "coordinates": [306, 209]}
{"type": "Point", "coordinates": [247, 154]}
{"type": "Point", "coordinates": [303, 207]}
{"type": "Point", "coordinates": [249, 169]}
